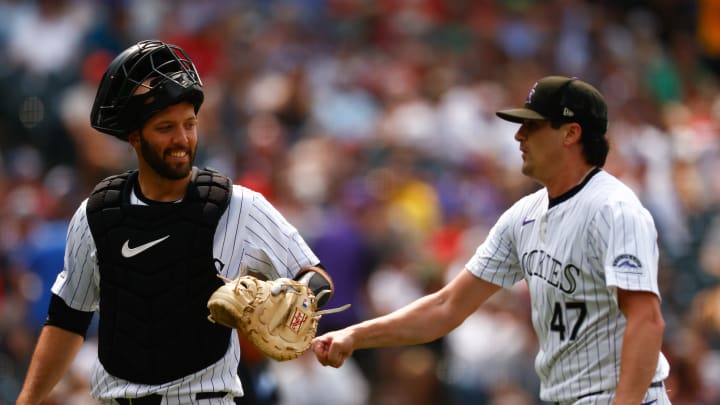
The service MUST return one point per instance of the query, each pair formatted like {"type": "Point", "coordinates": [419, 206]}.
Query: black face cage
{"type": "Point", "coordinates": [154, 65]}
{"type": "Point", "coordinates": [165, 62]}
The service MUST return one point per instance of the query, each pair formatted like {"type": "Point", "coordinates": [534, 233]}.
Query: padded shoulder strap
{"type": "Point", "coordinates": [212, 188]}
{"type": "Point", "coordinates": [104, 203]}
{"type": "Point", "coordinates": [108, 191]}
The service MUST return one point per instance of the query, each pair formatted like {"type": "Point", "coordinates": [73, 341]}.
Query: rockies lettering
{"type": "Point", "coordinates": [538, 263]}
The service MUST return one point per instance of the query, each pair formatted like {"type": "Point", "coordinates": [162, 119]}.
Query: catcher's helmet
{"type": "Point", "coordinates": [167, 76]}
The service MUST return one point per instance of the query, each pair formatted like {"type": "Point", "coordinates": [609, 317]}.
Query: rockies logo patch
{"type": "Point", "coordinates": [627, 263]}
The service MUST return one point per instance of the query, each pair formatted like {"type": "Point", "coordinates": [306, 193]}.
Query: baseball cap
{"type": "Point", "coordinates": [563, 99]}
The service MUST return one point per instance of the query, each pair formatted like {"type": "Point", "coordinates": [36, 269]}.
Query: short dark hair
{"type": "Point", "coordinates": [595, 144]}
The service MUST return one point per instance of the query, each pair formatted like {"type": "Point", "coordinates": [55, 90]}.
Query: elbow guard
{"type": "Point", "coordinates": [318, 280]}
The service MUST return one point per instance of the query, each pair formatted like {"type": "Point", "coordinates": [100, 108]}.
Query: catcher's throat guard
{"type": "Point", "coordinates": [279, 317]}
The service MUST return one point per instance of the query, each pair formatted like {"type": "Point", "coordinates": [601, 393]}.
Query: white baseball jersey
{"type": "Point", "coordinates": [250, 231]}
{"type": "Point", "coordinates": [574, 251]}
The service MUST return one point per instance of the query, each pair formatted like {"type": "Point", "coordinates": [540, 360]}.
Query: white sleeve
{"type": "Point", "coordinates": [257, 235]}
{"type": "Point", "coordinates": [496, 259]}
{"type": "Point", "coordinates": [273, 234]}
{"type": "Point", "coordinates": [79, 282]}
{"type": "Point", "coordinates": [625, 240]}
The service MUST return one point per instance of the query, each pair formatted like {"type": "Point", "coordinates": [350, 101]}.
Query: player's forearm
{"type": "Point", "coordinates": [427, 318]}
{"type": "Point", "coordinates": [422, 321]}
{"type": "Point", "coordinates": [641, 347]}
{"type": "Point", "coordinates": [54, 353]}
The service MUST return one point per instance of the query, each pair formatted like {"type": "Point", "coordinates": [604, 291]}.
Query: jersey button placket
{"type": "Point", "coordinates": [543, 226]}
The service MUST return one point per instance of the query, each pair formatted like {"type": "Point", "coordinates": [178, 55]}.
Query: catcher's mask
{"type": "Point", "coordinates": [140, 82]}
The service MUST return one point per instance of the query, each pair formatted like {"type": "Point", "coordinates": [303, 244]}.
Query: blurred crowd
{"type": "Point", "coordinates": [370, 125]}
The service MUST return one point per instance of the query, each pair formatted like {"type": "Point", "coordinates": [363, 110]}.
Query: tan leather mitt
{"type": "Point", "coordinates": [279, 316]}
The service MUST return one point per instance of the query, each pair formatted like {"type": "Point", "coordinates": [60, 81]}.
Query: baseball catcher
{"type": "Point", "coordinates": [279, 316]}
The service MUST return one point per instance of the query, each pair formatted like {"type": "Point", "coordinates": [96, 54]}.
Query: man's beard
{"type": "Point", "coordinates": [156, 161]}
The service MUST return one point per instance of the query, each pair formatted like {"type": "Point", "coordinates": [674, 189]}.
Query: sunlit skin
{"type": "Point", "coordinates": [166, 147]}
{"type": "Point", "coordinates": [552, 157]}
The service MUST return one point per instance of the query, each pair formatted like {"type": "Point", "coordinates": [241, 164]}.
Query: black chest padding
{"type": "Point", "coordinates": [156, 274]}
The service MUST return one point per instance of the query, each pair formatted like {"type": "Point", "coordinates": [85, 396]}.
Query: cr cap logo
{"type": "Point", "coordinates": [627, 263]}
{"type": "Point", "coordinates": [528, 100]}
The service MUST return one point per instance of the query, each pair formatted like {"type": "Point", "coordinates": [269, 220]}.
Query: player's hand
{"type": "Point", "coordinates": [331, 349]}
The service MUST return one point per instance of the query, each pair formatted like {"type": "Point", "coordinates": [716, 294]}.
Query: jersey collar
{"type": "Point", "coordinates": [567, 195]}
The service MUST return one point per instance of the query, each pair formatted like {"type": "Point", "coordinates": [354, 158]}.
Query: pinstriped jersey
{"type": "Point", "coordinates": [250, 231]}
{"type": "Point", "coordinates": [574, 252]}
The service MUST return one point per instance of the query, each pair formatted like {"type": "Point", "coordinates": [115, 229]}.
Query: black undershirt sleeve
{"type": "Point", "coordinates": [64, 317]}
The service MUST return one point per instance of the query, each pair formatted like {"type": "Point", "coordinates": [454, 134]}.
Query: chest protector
{"type": "Point", "coordinates": [157, 272]}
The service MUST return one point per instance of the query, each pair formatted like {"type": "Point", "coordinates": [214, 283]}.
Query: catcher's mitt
{"type": "Point", "coordinates": [279, 316]}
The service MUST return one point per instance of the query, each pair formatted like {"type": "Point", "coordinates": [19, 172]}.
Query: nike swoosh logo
{"type": "Point", "coordinates": [129, 252]}
{"type": "Point", "coordinates": [527, 221]}
{"type": "Point", "coordinates": [648, 403]}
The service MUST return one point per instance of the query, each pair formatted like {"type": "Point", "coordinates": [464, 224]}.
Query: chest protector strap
{"type": "Point", "coordinates": [157, 272]}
